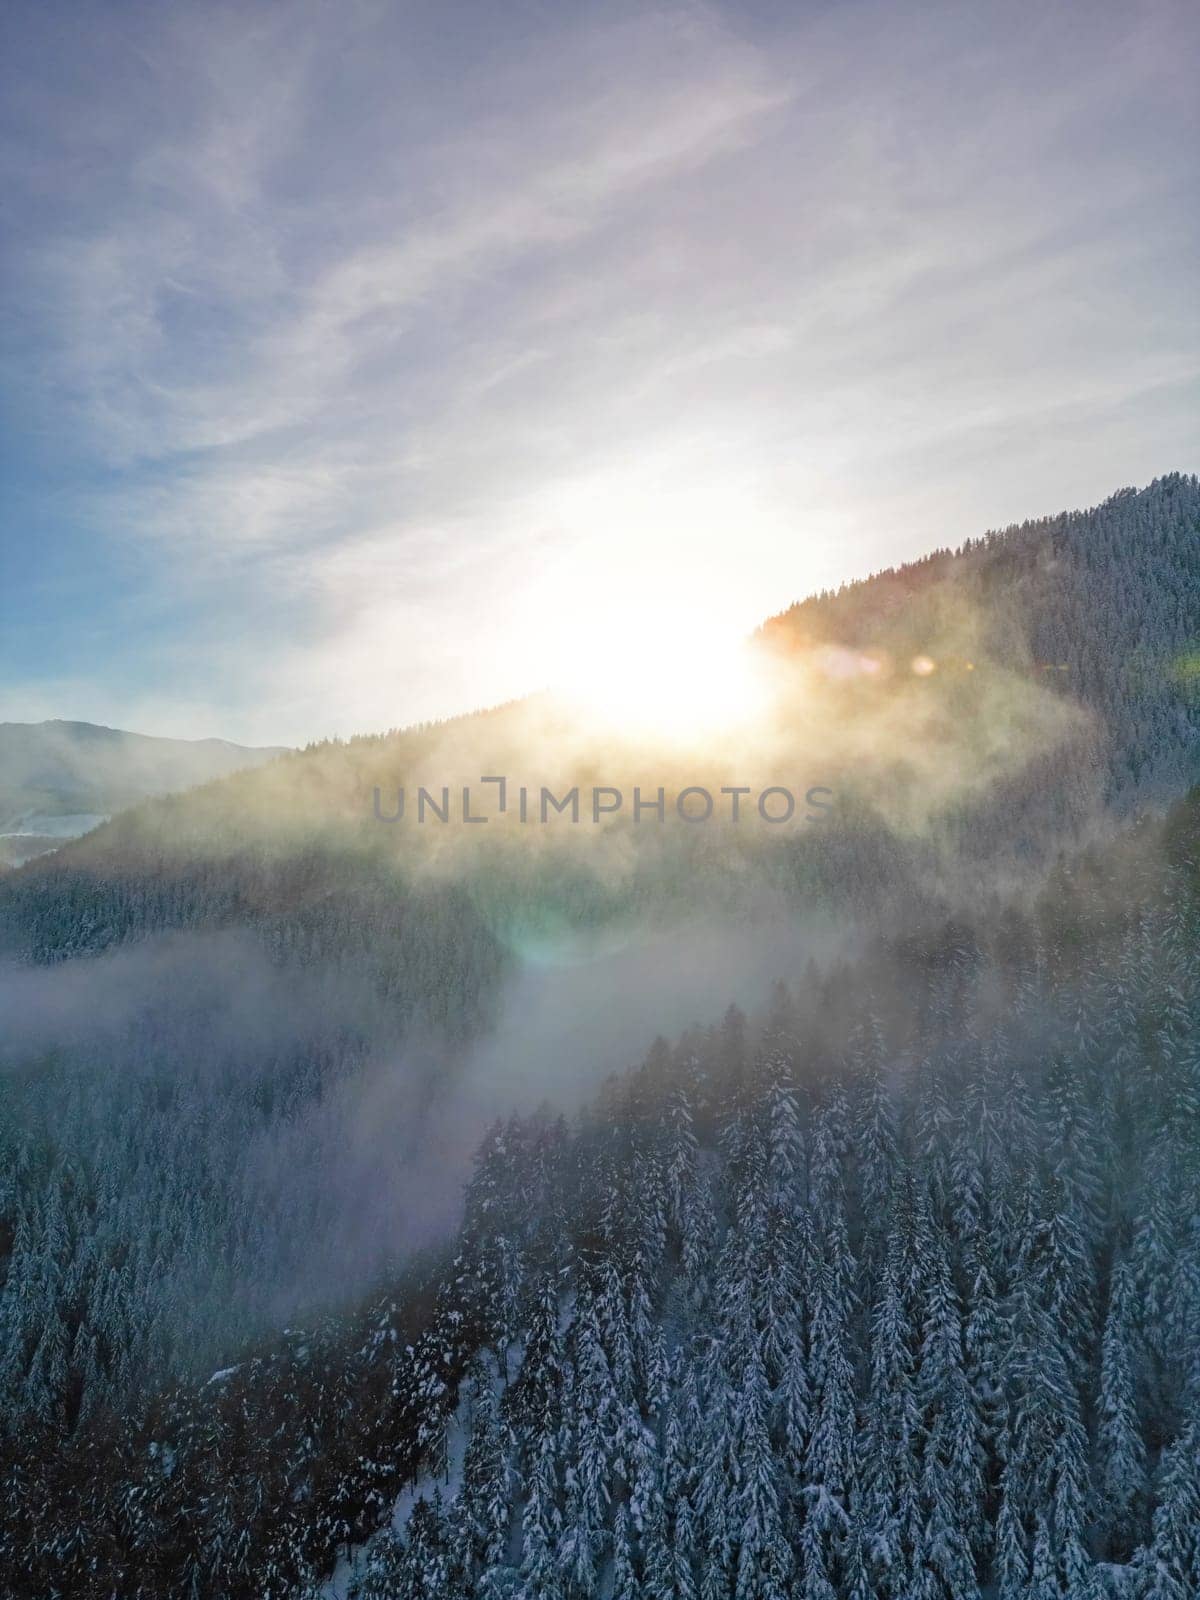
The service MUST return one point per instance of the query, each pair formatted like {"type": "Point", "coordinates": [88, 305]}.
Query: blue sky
{"type": "Point", "coordinates": [363, 362]}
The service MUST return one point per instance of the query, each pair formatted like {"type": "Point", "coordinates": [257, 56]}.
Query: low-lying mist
{"type": "Point", "coordinates": [308, 1144]}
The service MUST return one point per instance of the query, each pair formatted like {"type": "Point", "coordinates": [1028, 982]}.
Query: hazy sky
{"type": "Point", "coordinates": [361, 360]}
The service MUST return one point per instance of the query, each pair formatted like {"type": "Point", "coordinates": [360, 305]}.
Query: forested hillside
{"type": "Point", "coordinates": [896, 1294]}
{"type": "Point", "coordinates": [1102, 606]}
{"type": "Point", "coordinates": [890, 1291]}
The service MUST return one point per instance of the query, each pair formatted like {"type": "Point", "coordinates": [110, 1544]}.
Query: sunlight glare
{"type": "Point", "coordinates": [676, 678]}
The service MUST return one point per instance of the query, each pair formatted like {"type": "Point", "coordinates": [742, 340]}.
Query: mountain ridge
{"type": "Point", "coordinates": [79, 726]}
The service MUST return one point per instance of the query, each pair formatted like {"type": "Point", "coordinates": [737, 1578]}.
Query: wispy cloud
{"type": "Point", "coordinates": [387, 333]}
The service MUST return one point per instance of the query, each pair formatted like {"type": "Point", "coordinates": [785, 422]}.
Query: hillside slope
{"type": "Point", "coordinates": [890, 1290]}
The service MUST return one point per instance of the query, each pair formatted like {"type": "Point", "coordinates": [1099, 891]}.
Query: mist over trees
{"type": "Point", "coordinates": [891, 1289]}
{"type": "Point", "coordinates": [893, 1292]}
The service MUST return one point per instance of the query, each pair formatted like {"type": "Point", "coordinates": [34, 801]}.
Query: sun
{"type": "Point", "coordinates": [678, 679]}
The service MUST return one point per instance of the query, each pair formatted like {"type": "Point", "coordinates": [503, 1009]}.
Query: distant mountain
{"type": "Point", "coordinates": [60, 779]}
